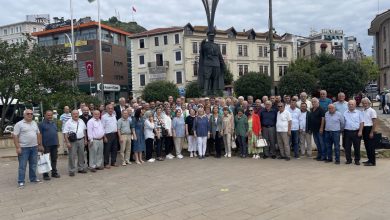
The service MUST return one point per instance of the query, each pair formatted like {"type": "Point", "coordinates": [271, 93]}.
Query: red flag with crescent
{"type": "Point", "coordinates": [89, 68]}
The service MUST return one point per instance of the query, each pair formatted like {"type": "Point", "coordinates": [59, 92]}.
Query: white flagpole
{"type": "Point", "coordinates": [100, 54]}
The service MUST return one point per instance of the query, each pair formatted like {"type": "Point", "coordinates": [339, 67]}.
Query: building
{"type": "Point", "coordinates": [380, 29]}
{"type": "Point", "coordinates": [337, 39]}
{"type": "Point", "coordinates": [114, 47]}
{"type": "Point", "coordinates": [306, 47]}
{"type": "Point", "coordinates": [173, 54]}
{"type": "Point", "coordinates": [353, 49]}
{"type": "Point", "coordinates": [21, 31]}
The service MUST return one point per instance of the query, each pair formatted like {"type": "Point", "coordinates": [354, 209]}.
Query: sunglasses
{"type": "Point", "coordinates": [280, 106]}
{"type": "Point", "coordinates": [29, 113]}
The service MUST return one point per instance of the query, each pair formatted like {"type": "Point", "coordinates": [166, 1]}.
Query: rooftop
{"type": "Point", "coordinates": [378, 20]}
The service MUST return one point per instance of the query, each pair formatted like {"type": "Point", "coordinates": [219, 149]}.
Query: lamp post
{"type": "Point", "coordinates": [74, 82]}
{"type": "Point", "coordinates": [100, 54]}
{"type": "Point", "coordinates": [271, 48]}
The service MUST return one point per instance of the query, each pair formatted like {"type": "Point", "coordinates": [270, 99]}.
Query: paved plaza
{"type": "Point", "coordinates": [204, 189]}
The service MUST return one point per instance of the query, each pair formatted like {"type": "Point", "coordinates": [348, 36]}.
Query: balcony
{"type": "Point", "coordinates": [164, 64]}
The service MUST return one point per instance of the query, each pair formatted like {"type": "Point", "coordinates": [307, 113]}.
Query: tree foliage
{"type": "Point", "coordinates": [302, 65]}
{"type": "Point", "coordinates": [348, 77]}
{"type": "Point", "coordinates": [160, 90]}
{"type": "Point", "coordinates": [131, 27]}
{"type": "Point", "coordinates": [254, 84]}
{"type": "Point", "coordinates": [228, 77]}
{"type": "Point", "coordinates": [297, 82]}
{"type": "Point", "coordinates": [371, 68]}
{"type": "Point", "coordinates": [32, 75]}
{"type": "Point", "coordinates": [192, 90]}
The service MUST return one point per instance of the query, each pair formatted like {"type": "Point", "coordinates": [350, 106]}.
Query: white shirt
{"type": "Point", "coordinates": [368, 115]}
{"type": "Point", "coordinates": [282, 121]}
{"type": "Point", "coordinates": [353, 119]}
{"type": "Point", "coordinates": [148, 129]}
{"type": "Point", "coordinates": [302, 121]}
{"type": "Point", "coordinates": [168, 124]}
{"type": "Point", "coordinates": [71, 126]}
{"type": "Point", "coordinates": [295, 118]}
{"type": "Point", "coordinates": [109, 123]}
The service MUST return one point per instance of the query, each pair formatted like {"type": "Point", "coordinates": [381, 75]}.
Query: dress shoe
{"type": "Point", "coordinates": [273, 157]}
{"type": "Point", "coordinates": [47, 177]}
{"type": "Point", "coordinates": [367, 161]}
{"type": "Point", "coordinates": [100, 168]}
{"type": "Point", "coordinates": [357, 163]}
{"type": "Point", "coordinates": [82, 171]}
{"type": "Point", "coordinates": [114, 165]}
{"type": "Point", "coordinates": [71, 174]}
{"type": "Point", "coordinates": [348, 162]}
{"type": "Point", "coordinates": [264, 157]}
{"type": "Point", "coordinates": [337, 162]}
{"type": "Point", "coordinates": [369, 165]}
{"type": "Point", "coordinates": [107, 167]}
{"type": "Point", "coordinates": [287, 158]}
{"type": "Point", "coordinates": [93, 170]}
{"type": "Point", "coordinates": [328, 161]}
{"type": "Point", "coordinates": [55, 175]}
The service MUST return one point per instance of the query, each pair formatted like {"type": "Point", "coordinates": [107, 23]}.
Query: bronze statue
{"type": "Point", "coordinates": [211, 63]}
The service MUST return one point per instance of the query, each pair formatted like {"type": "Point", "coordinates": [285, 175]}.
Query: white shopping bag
{"type": "Point", "coordinates": [44, 165]}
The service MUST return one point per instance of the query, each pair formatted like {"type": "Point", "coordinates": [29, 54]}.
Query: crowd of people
{"type": "Point", "coordinates": [222, 127]}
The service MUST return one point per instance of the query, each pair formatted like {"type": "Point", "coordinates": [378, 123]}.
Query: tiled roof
{"type": "Point", "coordinates": [157, 31]}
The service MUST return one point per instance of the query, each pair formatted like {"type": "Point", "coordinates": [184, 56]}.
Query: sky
{"type": "Point", "coordinates": [292, 16]}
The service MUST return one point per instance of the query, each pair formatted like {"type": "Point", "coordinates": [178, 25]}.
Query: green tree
{"type": "Point", "coordinates": [296, 82]}
{"type": "Point", "coordinates": [192, 90]}
{"type": "Point", "coordinates": [228, 77]}
{"type": "Point", "coordinates": [32, 75]}
{"type": "Point", "coordinates": [254, 84]}
{"type": "Point", "coordinates": [131, 27]}
{"type": "Point", "coordinates": [160, 90]}
{"type": "Point", "coordinates": [371, 68]}
{"type": "Point", "coordinates": [348, 77]}
{"type": "Point", "coordinates": [303, 66]}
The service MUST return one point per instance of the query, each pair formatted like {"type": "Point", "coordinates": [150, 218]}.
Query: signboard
{"type": "Point", "coordinates": [89, 68]}
{"type": "Point", "coordinates": [109, 87]}
{"type": "Point", "coordinates": [157, 76]}
{"type": "Point", "coordinates": [77, 44]}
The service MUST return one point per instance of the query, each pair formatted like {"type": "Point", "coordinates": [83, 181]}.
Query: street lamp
{"type": "Point", "coordinates": [271, 48]}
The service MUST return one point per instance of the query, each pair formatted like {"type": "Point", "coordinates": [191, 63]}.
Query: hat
{"type": "Point", "coordinates": [250, 108]}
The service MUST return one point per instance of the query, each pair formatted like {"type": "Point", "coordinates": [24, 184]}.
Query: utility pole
{"type": "Point", "coordinates": [271, 48]}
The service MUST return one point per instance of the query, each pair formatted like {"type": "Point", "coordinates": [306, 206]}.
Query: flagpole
{"type": "Point", "coordinates": [100, 54]}
{"type": "Point", "coordinates": [72, 46]}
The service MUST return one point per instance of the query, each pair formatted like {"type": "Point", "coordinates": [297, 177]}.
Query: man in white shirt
{"type": "Point", "coordinates": [303, 97]}
{"type": "Point", "coordinates": [283, 131]}
{"type": "Point", "coordinates": [96, 146]}
{"type": "Point", "coordinates": [294, 112]}
{"type": "Point", "coordinates": [110, 137]}
{"type": "Point", "coordinates": [353, 132]}
{"type": "Point", "coordinates": [76, 147]}
{"type": "Point", "coordinates": [369, 129]}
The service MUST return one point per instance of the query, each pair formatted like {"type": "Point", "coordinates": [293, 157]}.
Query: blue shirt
{"type": "Point", "coordinates": [179, 126]}
{"type": "Point", "coordinates": [268, 118]}
{"type": "Point", "coordinates": [201, 126]}
{"type": "Point", "coordinates": [334, 122]}
{"type": "Point", "coordinates": [324, 103]}
{"type": "Point", "coordinates": [353, 119]}
{"type": "Point", "coordinates": [341, 107]}
{"type": "Point", "coordinates": [48, 130]}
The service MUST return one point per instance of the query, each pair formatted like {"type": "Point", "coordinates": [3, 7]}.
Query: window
{"type": "Point", "coordinates": [280, 52]}
{"type": "Point", "coordinates": [194, 47]}
{"type": "Point", "coordinates": [266, 70]}
{"type": "Point", "coordinates": [243, 69]}
{"type": "Point", "coordinates": [34, 29]}
{"type": "Point", "coordinates": [5, 31]}
{"type": "Point", "coordinates": [245, 50]}
{"type": "Point", "coordinates": [156, 43]}
{"type": "Point", "coordinates": [141, 43]}
{"type": "Point", "coordinates": [195, 66]}
{"type": "Point", "coordinates": [263, 69]}
{"type": "Point", "coordinates": [224, 49]}
{"type": "Point", "coordinates": [284, 51]}
{"type": "Point", "coordinates": [179, 77]}
{"type": "Point", "coordinates": [177, 39]}
{"type": "Point", "coordinates": [165, 40]}
{"type": "Point", "coordinates": [142, 80]}
{"type": "Point", "coordinates": [260, 51]}
{"type": "Point", "coordinates": [282, 70]}
{"type": "Point", "coordinates": [240, 50]}
{"type": "Point", "coordinates": [246, 70]}
{"type": "Point", "coordinates": [385, 56]}
{"type": "Point", "coordinates": [159, 59]}
{"type": "Point", "coordinates": [304, 52]}
{"type": "Point", "coordinates": [118, 77]}
{"type": "Point", "coordinates": [384, 34]}
{"type": "Point", "coordinates": [106, 48]}
{"type": "Point", "coordinates": [265, 51]}
{"type": "Point", "coordinates": [12, 30]}
{"type": "Point", "coordinates": [141, 60]}
{"type": "Point", "coordinates": [178, 56]}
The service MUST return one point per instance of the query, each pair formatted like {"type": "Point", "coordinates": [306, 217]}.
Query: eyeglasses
{"type": "Point", "coordinates": [251, 110]}
{"type": "Point", "coordinates": [280, 106]}
{"type": "Point", "coordinates": [29, 113]}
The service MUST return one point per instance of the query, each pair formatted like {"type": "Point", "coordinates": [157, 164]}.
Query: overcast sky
{"type": "Point", "coordinates": [293, 16]}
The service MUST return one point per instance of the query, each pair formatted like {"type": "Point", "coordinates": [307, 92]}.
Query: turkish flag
{"type": "Point", "coordinates": [89, 68]}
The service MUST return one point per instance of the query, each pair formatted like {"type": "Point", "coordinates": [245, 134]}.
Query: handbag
{"type": "Point", "coordinates": [261, 142]}
{"type": "Point", "coordinates": [72, 136]}
{"type": "Point", "coordinates": [234, 145]}
{"type": "Point", "coordinates": [44, 164]}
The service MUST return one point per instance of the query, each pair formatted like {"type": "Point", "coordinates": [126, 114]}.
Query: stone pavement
{"type": "Point", "coordinates": [209, 189]}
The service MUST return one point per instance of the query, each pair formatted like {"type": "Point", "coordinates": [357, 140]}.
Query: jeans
{"type": "Point", "coordinates": [319, 141]}
{"type": "Point", "coordinates": [53, 150]}
{"type": "Point", "coordinates": [295, 142]}
{"type": "Point", "coordinates": [332, 138]}
{"type": "Point", "coordinates": [29, 154]}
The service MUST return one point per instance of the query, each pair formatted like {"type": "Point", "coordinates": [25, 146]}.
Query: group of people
{"type": "Point", "coordinates": [208, 126]}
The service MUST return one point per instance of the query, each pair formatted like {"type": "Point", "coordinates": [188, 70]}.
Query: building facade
{"type": "Point", "coordinates": [114, 55]}
{"type": "Point", "coordinates": [173, 54]}
{"type": "Point", "coordinates": [379, 29]}
{"type": "Point", "coordinates": [21, 31]}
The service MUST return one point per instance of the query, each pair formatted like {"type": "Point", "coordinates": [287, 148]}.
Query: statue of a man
{"type": "Point", "coordinates": [211, 67]}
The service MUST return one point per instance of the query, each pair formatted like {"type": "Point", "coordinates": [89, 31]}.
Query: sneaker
{"type": "Point", "coordinates": [37, 181]}
{"type": "Point", "coordinates": [124, 164]}
{"type": "Point", "coordinates": [257, 157]}
{"type": "Point", "coordinates": [128, 162]}
{"type": "Point", "coordinates": [229, 155]}
{"type": "Point", "coordinates": [195, 154]}
{"type": "Point", "coordinates": [254, 156]}
{"type": "Point", "coordinates": [170, 157]}
{"type": "Point", "coordinates": [179, 156]}
{"type": "Point", "coordinates": [225, 155]}
{"type": "Point", "coordinates": [191, 155]}
{"type": "Point", "coordinates": [20, 185]}
{"type": "Point", "coordinates": [137, 162]}
{"type": "Point", "coordinates": [151, 160]}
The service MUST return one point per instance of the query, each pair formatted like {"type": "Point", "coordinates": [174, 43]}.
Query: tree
{"type": "Point", "coordinates": [302, 65]}
{"type": "Point", "coordinates": [228, 77]}
{"type": "Point", "coordinates": [32, 75]}
{"type": "Point", "coordinates": [160, 90]}
{"type": "Point", "coordinates": [192, 90]}
{"type": "Point", "coordinates": [297, 82]}
{"type": "Point", "coordinates": [371, 68]}
{"type": "Point", "coordinates": [131, 27]}
{"type": "Point", "coordinates": [254, 84]}
{"type": "Point", "coordinates": [348, 77]}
